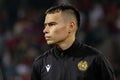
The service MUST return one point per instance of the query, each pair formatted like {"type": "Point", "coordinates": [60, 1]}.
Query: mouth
{"type": "Point", "coordinates": [47, 37]}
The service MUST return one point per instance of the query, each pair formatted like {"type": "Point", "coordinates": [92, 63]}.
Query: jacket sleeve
{"type": "Point", "coordinates": [104, 69]}
{"type": "Point", "coordinates": [35, 74]}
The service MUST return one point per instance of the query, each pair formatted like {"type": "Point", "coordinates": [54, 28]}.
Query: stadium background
{"type": "Point", "coordinates": [21, 37]}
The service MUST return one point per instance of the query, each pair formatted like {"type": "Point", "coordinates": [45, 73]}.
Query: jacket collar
{"type": "Point", "coordinates": [71, 51]}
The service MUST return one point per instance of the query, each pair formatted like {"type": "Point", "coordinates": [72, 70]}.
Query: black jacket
{"type": "Point", "coordinates": [79, 62]}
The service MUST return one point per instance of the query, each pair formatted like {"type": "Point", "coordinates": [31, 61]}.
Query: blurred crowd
{"type": "Point", "coordinates": [22, 39]}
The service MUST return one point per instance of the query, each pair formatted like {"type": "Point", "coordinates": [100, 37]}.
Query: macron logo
{"type": "Point", "coordinates": [48, 67]}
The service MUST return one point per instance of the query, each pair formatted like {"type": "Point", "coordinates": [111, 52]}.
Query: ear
{"type": "Point", "coordinates": [72, 26]}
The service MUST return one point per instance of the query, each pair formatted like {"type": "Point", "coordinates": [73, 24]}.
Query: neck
{"type": "Point", "coordinates": [66, 44]}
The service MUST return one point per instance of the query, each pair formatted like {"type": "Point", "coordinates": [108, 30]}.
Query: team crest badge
{"type": "Point", "coordinates": [83, 65]}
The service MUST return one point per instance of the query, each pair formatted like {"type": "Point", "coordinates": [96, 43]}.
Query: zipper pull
{"type": "Point", "coordinates": [62, 54]}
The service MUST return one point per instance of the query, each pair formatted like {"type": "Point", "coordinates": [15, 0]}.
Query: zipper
{"type": "Point", "coordinates": [64, 66]}
{"type": "Point", "coordinates": [65, 70]}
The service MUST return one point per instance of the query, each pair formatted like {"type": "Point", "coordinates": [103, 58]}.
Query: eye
{"type": "Point", "coordinates": [45, 25]}
{"type": "Point", "coordinates": [52, 24]}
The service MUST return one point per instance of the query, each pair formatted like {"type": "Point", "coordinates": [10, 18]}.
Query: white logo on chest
{"type": "Point", "coordinates": [48, 67]}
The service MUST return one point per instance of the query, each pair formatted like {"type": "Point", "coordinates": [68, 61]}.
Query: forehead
{"type": "Point", "coordinates": [53, 16]}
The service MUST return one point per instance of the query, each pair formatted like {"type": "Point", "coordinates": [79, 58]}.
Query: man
{"type": "Point", "coordinates": [69, 59]}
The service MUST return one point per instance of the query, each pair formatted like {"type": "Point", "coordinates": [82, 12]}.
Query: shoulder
{"type": "Point", "coordinates": [44, 55]}
{"type": "Point", "coordinates": [89, 50]}
{"type": "Point", "coordinates": [98, 55]}
{"type": "Point", "coordinates": [38, 62]}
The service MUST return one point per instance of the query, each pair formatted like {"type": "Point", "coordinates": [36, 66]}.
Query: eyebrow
{"type": "Point", "coordinates": [50, 23]}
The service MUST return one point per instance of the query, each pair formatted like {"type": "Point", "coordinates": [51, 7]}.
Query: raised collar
{"type": "Point", "coordinates": [70, 51]}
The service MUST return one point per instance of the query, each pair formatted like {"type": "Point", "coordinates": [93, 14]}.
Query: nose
{"type": "Point", "coordinates": [45, 30]}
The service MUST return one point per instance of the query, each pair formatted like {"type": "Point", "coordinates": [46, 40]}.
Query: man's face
{"type": "Point", "coordinates": [56, 29]}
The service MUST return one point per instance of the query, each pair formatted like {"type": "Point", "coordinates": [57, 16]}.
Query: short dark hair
{"type": "Point", "coordinates": [63, 8]}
